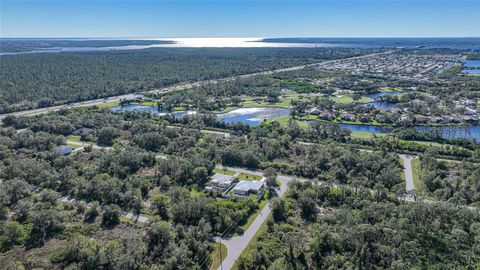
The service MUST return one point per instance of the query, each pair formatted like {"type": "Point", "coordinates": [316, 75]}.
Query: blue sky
{"type": "Point", "coordinates": [268, 18]}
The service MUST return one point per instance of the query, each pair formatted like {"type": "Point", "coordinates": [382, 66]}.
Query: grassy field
{"type": "Point", "coordinates": [179, 108]}
{"type": "Point", "coordinates": [283, 103]}
{"type": "Point", "coordinates": [416, 175]}
{"type": "Point", "coordinates": [149, 103]}
{"type": "Point", "coordinates": [364, 134]}
{"type": "Point", "coordinates": [344, 99]}
{"type": "Point", "coordinates": [223, 171]}
{"type": "Point", "coordinates": [249, 177]}
{"type": "Point", "coordinates": [73, 138]}
{"type": "Point", "coordinates": [215, 257]}
{"type": "Point", "coordinates": [74, 145]}
{"type": "Point", "coordinates": [283, 120]}
{"type": "Point", "coordinates": [109, 104]}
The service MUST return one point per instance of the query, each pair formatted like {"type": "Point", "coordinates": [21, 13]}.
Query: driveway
{"type": "Point", "coordinates": [407, 164]}
{"type": "Point", "coordinates": [237, 244]}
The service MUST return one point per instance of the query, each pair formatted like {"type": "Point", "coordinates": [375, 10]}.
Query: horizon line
{"type": "Point", "coordinates": [236, 37]}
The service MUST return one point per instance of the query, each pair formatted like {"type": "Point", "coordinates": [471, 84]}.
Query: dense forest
{"type": "Point", "coordinates": [12, 45]}
{"type": "Point", "coordinates": [321, 227]}
{"type": "Point", "coordinates": [125, 171]}
{"type": "Point", "coordinates": [40, 80]}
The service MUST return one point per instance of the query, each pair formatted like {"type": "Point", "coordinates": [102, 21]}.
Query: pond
{"type": "Point", "coordinates": [381, 104]}
{"type": "Point", "coordinates": [382, 94]}
{"type": "Point", "coordinates": [150, 109]}
{"type": "Point", "coordinates": [252, 116]}
{"type": "Point", "coordinates": [446, 132]}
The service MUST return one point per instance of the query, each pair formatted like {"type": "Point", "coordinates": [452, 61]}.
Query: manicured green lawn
{"type": "Point", "coordinates": [149, 103]}
{"type": "Point", "coordinates": [249, 177]}
{"type": "Point", "coordinates": [215, 258]}
{"type": "Point", "coordinates": [74, 145]}
{"type": "Point", "coordinates": [348, 99]}
{"type": "Point", "coordinates": [73, 138]}
{"type": "Point", "coordinates": [284, 102]}
{"type": "Point", "coordinates": [416, 175]}
{"type": "Point", "coordinates": [283, 120]}
{"type": "Point", "coordinates": [364, 134]}
{"type": "Point", "coordinates": [223, 171]}
{"type": "Point", "coordinates": [179, 108]}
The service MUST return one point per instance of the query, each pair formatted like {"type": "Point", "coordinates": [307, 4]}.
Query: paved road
{"type": "Point", "coordinates": [237, 244]}
{"type": "Point", "coordinates": [90, 103]}
{"type": "Point", "coordinates": [231, 78]}
{"type": "Point", "coordinates": [407, 164]}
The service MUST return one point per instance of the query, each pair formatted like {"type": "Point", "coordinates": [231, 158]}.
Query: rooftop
{"type": "Point", "coordinates": [63, 150]}
{"type": "Point", "coordinates": [222, 179]}
{"type": "Point", "coordinates": [248, 185]}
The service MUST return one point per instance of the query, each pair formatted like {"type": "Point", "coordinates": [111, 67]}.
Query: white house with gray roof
{"type": "Point", "coordinates": [221, 182]}
{"type": "Point", "coordinates": [244, 187]}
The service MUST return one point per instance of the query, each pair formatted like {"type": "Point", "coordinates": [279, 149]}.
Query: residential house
{"type": "Point", "coordinates": [63, 150]}
{"type": "Point", "coordinates": [314, 111]}
{"type": "Point", "coordinates": [420, 119]}
{"type": "Point", "coordinates": [244, 188]}
{"type": "Point", "coordinates": [326, 116]}
{"type": "Point", "coordinates": [221, 182]}
{"type": "Point", "coordinates": [83, 131]}
{"type": "Point", "coordinates": [348, 117]}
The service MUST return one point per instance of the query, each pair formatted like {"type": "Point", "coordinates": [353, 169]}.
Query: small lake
{"type": "Point", "coordinates": [471, 66]}
{"type": "Point", "coordinates": [252, 116]}
{"type": "Point", "coordinates": [249, 116]}
{"type": "Point", "coordinates": [471, 71]}
{"type": "Point", "coordinates": [446, 132]}
{"type": "Point", "coordinates": [152, 110]}
{"type": "Point", "coordinates": [471, 63]}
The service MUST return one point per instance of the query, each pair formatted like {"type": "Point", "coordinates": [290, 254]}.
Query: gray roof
{"type": "Point", "coordinates": [63, 150]}
{"type": "Point", "coordinates": [83, 131]}
{"type": "Point", "coordinates": [246, 186]}
{"type": "Point", "coordinates": [222, 179]}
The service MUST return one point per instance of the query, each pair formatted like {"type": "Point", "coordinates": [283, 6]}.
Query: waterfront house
{"type": "Point", "coordinates": [420, 119]}
{"type": "Point", "coordinates": [348, 117]}
{"type": "Point", "coordinates": [314, 111]}
{"type": "Point", "coordinates": [326, 116]}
